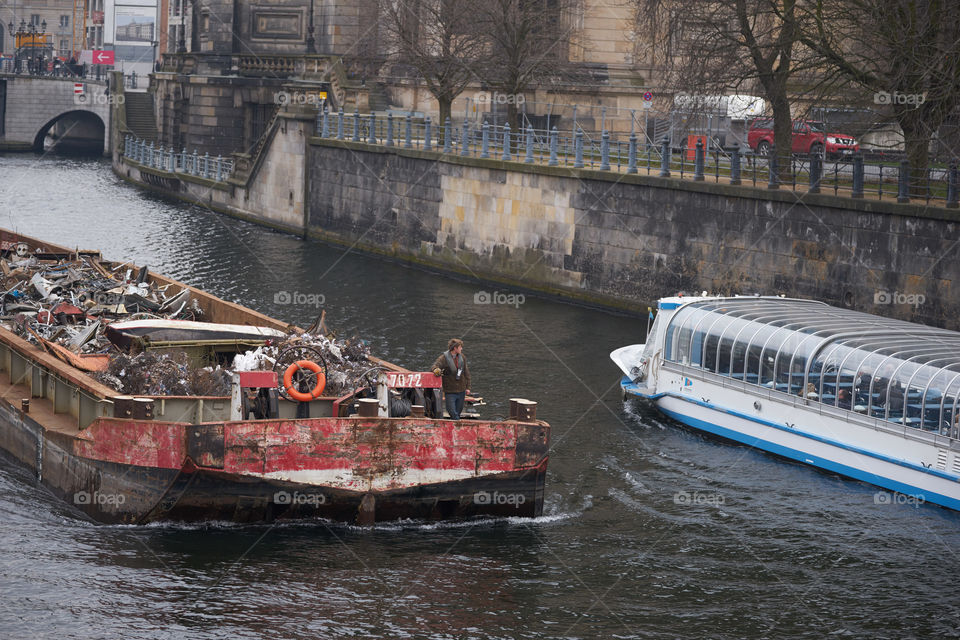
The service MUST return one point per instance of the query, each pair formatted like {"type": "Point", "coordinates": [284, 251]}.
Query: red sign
{"type": "Point", "coordinates": [415, 379]}
{"type": "Point", "coordinates": [97, 17]}
{"type": "Point", "coordinates": [102, 57]}
{"type": "Point", "coordinates": [77, 88]}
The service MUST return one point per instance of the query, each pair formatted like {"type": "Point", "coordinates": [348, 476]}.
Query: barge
{"type": "Point", "coordinates": [867, 397]}
{"type": "Point", "coordinates": [274, 448]}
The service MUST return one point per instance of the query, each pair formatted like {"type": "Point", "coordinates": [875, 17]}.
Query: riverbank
{"type": "Point", "coordinates": [592, 237]}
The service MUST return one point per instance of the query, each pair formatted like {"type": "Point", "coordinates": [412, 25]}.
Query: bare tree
{"type": "Point", "coordinates": [905, 52]}
{"type": "Point", "coordinates": [528, 44]}
{"type": "Point", "coordinates": [439, 39]}
{"type": "Point", "coordinates": [713, 47]}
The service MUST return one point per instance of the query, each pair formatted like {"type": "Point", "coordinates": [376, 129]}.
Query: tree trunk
{"type": "Point", "coordinates": [782, 135]}
{"type": "Point", "coordinates": [916, 144]}
{"type": "Point", "coordinates": [446, 107]}
{"type": "Point", "coordinates": [513, 116]}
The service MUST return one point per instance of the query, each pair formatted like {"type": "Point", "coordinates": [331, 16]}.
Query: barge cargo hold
{"type": "Point", "coordinates": [251, 456]}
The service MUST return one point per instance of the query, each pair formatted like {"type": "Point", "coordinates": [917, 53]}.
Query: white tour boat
{"type": "Point", "coordinates": [870, 398]}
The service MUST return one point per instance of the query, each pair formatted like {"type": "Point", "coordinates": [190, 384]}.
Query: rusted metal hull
{"type": "Point", "coordinates": [194, 495]}
{"type": "Point", "coordinates": [363, 470]}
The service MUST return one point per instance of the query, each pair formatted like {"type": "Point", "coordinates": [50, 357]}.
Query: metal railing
{"type": "Point", "coordinates": [182, 162]}
{"type": "Point", "coordinates": [850, 177]}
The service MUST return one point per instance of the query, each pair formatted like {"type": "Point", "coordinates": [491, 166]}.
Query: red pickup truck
{"type": "Point", "coordinates": [808, 137]}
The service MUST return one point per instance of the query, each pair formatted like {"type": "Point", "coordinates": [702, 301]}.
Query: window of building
{"type": "Point", "coordinates": [64, 48]}
{"type": "Point", "coordinates": [64, 21]}
{"type": "Point", "coordinates": [35, 19]}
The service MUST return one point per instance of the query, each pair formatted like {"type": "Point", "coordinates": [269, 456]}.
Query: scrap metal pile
{"type": "Point", "coordinates": [64, 305]}
{"type": "Point", "coordinates": [345, 361]}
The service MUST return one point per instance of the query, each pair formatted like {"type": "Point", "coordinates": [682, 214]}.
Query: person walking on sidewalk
{"type": "Point", "coordinates": [452, 366]}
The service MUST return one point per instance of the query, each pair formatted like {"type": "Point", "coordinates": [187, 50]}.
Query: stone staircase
{"type": "Point", "coordinates": [140, 119]}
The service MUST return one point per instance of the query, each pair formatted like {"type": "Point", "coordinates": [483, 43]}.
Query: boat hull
{"type": "Point", "coordinates": [176, 488]}
{"type": "Point", "coordinates": [809, 442]}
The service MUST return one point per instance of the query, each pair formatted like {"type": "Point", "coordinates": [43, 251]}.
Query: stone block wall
{"type": "Point", "coordinates": [623, 241]}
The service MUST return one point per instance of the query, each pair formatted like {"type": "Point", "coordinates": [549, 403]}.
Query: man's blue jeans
{"type": "Point", "coordinates": [455, 404]}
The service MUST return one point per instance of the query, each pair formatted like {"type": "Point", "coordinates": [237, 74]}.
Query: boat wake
{"type": "Point", "coordinates": [398, 525]}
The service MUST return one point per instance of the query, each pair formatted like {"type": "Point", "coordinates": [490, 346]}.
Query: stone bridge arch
{"type": "Point", "coordinates": [32, 107]}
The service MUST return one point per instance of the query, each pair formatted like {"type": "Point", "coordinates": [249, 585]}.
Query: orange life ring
{"type": "Point", "coordinates": [288, 385]}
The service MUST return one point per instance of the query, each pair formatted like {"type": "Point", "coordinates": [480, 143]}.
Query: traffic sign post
{"type": "Point", "coordinates": [102, 57]}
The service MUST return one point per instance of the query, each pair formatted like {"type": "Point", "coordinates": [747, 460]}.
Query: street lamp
{"type": "Point", "coordinates": [311, 43]}
{"type": "Point", "coordinates": [182, 43]}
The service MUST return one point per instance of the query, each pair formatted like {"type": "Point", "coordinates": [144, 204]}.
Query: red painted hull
{"type": "Point", "coordinates": [356, 470]}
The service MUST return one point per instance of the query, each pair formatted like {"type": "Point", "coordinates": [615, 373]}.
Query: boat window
{"type": "Point", "coordinates": [710, 352]}
{"type": "Point", "coordinates": [653, 336]}
{"type": "Point", "coordinates": [738, 362]}
{"type": "Point", "coordinates": [754, 371]}
{"type": "Point", "coordinates": [683, 345]}
{"type": "Point", "coordinates": [723, 356]}
{"type": "Point", "coordinates": [696, 349]}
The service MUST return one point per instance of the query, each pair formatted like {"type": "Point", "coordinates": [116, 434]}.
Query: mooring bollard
{"type": "Point", "coordinates": [465, 140]}
{"type": "Point", "coordinates": [952, 186]}
{"type": "Point", "coordinates": [506, 142]}
{"type": "Point", "coordinates": [605, 151]}
{"type": "Point", "coordinates": [816, 170]}
{"type": "Point", "coordinates": [340, 124]}
{"type": "Point", "coordinates": [554, 143]}
{"type": "Point", "coordinates": [578, 149]}
{"type": "Point", "coordinates": [665, 158]}
{"type": "Point", "coordinates": [773, 173]}
{"type": "Point", "coordinates": [485, 140]}
{"type": "Point", "coordinates": [698, 161]}
{"type": "Point", "coordinates": [356, 125]}
{"type": "Point", "coordinates": [447, 136]}
{"type": "Point", "coordinates": [529, 158]}
{"type": "Point", "coordinates": [427, 134]}
{"type": "Point", "coordinates": [389, 130]}
{"type": "Point", "coordinates": [408, 143]}
{"type": "Point", "coordinates": [372, 133]}
{"type": "Point", "coordinates": [903, 182]}
{"type": "Point", "coordinates": [735, 164]}
{"type": "Point", "coordinates": [632, 154]}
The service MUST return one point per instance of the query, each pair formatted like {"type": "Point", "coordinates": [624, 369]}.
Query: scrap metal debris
{"type": "Point", "coordinates": [69, 300]}
{"type": "Point", "coordinates": [163, 374]}
{"type": "Point", "coordinates": [344, 360]}
{"type": "Point", "coordinates": [64, 303]}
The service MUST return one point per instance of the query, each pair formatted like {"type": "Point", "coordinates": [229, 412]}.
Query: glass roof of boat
{"type": "Point", "coordinates": [879, 366]}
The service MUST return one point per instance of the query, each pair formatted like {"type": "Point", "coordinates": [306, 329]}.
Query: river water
{"type": "Point", "coordinates": [649, 531]}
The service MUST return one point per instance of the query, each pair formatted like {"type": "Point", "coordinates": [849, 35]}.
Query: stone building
{"type": "Point", "coordinates": [56, 14]}
{"type": "Point", "coordinates": [226, 62]}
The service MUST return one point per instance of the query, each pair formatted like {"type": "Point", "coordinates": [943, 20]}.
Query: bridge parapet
{"type": "Point", "coordinates": [68, 108]}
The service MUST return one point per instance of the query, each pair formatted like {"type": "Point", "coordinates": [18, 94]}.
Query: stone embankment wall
{"type": "Point", "coordinates": [615, 240]}
{"type": "Point", "coordinates": [624, 240]}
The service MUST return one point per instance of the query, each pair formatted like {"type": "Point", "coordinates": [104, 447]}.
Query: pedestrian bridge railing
{"type": "Point", "coordinates": [850, 176]}
{"type": "Point", "coordinates": [177, 162]}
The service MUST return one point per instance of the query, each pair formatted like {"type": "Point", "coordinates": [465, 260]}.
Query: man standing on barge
{"type": "Point", "coordinates": [452, 366]}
